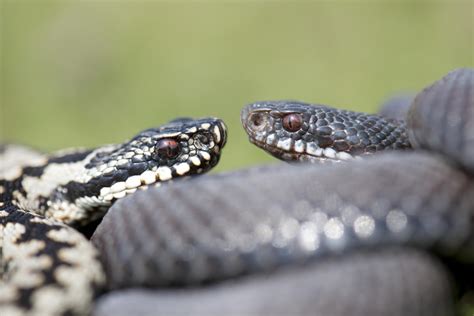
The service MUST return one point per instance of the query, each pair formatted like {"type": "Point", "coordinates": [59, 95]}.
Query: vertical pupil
{"type": "Point", "coordinates": [292, 122]}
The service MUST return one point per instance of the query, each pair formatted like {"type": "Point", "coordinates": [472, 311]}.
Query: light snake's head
{"type": "Point", "coordinates": [293, 130]}
{"type": "Point", "coordinates": [182, 147]}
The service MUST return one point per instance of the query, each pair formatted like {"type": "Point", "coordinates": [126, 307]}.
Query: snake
{"type": "Point", "coordinates": [47, 202]}
{"type": "Point", "coordinates": [374, 218]}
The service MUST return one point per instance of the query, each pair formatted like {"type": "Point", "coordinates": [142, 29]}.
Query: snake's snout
{"type": "Point", "coordinates": [255, 119]}
{"type": "Point", "coordinates": [220, 133]}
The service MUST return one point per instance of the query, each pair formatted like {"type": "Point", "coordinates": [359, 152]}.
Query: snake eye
{"type": "Point", "coordinates": [292, 122]}
{"type": "Point", "coordinates": [167, 148]}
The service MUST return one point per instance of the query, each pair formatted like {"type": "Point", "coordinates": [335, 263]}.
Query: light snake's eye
{"type": "Point", "coordinates": [167, 148]}
{"type": "Point", "coordinates": [292, 122]}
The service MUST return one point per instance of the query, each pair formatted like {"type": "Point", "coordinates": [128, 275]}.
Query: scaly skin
{"type": "Point", "coordinates": [49, 268]}
{"type": "Point", "coordinates": [325, 134]}
{"type": "Point", "coordinates": [331, 218]}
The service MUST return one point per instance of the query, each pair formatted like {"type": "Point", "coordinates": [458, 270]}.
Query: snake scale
{"type": "Point", "coordinates": [385, 234]}
{"type": "Point", "coordinates": [47, 266]}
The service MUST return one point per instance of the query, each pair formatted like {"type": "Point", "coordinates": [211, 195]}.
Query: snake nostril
{"type": "Point", "coordinates": [204, 139]}
{"type": "Point", "coordinates": [257, 121]}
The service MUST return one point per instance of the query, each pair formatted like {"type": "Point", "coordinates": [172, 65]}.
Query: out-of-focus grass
{"type": "Point", "coordinates": [92, 72]}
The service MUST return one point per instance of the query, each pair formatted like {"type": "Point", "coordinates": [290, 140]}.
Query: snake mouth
{"type": "Point", "coordinates": [131, 185]}
{"type": "Point", "coordinates": [201, 162]}
{"type": "Point", "coordinates": [291, 150]}
{"type": "Point", "coordinates": [119, 190]}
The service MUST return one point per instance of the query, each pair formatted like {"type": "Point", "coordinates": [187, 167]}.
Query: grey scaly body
{"type": "Point", "coordinates": [47, 266]}
{"type": "Point", "coordinates": [419, 203]}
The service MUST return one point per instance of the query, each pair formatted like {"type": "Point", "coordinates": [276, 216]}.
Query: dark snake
{"type": "Point", "coordinates": [47, 266]}
{"type": "Point", "coordinates": [371, 236]}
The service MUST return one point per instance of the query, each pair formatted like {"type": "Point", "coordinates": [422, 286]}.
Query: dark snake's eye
{"type": "Point", "coordinates": [167, 148]}
{"type": "Point", "coordinates": [292, 122]}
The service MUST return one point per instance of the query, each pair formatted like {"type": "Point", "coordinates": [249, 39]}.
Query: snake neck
{"type": "Point", "coordinates": [42, 185]}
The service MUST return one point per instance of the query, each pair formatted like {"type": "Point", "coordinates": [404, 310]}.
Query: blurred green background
{"type": "Point", "coordinates": [86, 73]}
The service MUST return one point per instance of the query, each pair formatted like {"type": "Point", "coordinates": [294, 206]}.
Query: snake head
{"type": "Point", "coordinates": [182, 147]}
{"type": "Point", "coordinates": [293, 130]}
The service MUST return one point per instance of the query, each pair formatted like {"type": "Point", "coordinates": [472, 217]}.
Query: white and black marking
{"type": "Point", "coordinates": [51, 268]}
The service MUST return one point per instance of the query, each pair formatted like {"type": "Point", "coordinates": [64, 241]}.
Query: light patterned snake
{"type": "Point", "coordinates": [366, 237]}
{"type": "Point", "coordinates": [47, 267]}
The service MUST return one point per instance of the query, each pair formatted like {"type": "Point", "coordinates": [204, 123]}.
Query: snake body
{"type": "Point", "coordinates": [254, 221]}
{"type": "Point", "coordinates": [47, 266]}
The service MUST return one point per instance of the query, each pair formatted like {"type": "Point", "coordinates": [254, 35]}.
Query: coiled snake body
{"type": "Point", "coordinates": [47, 266]}
{"type": "Point", "coordinates": [253, 221]}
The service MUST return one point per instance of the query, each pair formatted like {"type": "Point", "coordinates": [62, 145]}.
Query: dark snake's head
{"type": "Point", "coordinates": [182, 147]}
{"type": "Point", "coordinates": [293, 130]}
